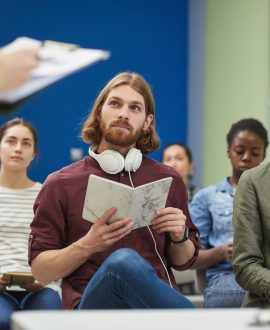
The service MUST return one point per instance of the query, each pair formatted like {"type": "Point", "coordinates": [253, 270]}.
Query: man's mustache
{"type": "Point", "coordinates": [121, 123]}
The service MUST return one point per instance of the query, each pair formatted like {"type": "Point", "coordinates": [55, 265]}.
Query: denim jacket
{"type": "Point", "coordinates": [211, 211]}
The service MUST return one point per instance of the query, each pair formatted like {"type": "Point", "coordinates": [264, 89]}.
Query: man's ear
{"type": "Point", "coordinates": [191, 167]}
{"type": "Point", "coordinates": [98, 116]}
{"type": "Point", "coordinates": [148, 121]}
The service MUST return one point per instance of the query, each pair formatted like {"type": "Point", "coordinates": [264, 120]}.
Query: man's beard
{"type": "Point", "coordinates": [120, 137]}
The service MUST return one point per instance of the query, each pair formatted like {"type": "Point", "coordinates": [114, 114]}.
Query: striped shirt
{"type": "Point", "coordinates": [16, 214]}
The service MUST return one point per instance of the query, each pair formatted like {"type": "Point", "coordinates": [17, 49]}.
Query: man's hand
{"type": "Point", "coordinates": [171, 220]}
{"type": "Point", "coordinates": [226, 251]}
{"type": "Point", "coordinates": [32, 286]}
{"type": "Point", "coordinates": [102, 234]}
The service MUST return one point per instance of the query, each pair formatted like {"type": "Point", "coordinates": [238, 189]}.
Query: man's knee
{"type": "Point", "coordinates": [125, 260]}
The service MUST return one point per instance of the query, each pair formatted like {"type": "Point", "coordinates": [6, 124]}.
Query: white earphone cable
{"type": "Point", "coordinates": [130, 179]}
{"type": "Point", "coordinates": [162, 262]}
{"type": "Point", "coordinates": [155, 243]}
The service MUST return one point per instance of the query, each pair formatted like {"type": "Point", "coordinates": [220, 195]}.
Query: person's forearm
{"type": "Point", "coordinates": [209, 257]}
{"type": "Point", "coordinates": [56, 264]}
{"type": "Point", "coordinates": [181, 253]}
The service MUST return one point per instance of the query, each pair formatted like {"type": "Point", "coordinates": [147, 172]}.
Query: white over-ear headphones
{"type": "Point", "coordinates": [113, 162]}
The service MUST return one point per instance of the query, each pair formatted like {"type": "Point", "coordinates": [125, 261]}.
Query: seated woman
{"type": "Point", "coordinates": [18, 147]}
{"type": "Point", "coordinates": [212, 210]}
{"type": "Point", "coordinates": [179, 156]}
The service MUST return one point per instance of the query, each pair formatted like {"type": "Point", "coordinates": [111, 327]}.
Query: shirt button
{"type": "Point", "coordinates": [122, 174]}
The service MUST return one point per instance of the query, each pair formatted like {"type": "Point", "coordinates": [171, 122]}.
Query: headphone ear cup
{"type": "Point", "coordinates": [110, 161]}
{"type": "Point", "coordinates": [133, 160]}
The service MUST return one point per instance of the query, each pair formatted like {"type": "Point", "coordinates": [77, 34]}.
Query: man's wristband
{"type": "Point", "coordinates": [185, 238]}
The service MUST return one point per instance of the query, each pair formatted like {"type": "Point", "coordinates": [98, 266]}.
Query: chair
{"type": "Point", "coordinates": [185, 280]}
{"type": "Point", "coordinates": [200, 280]}
{"type": "Point", "coordinates": [187, 286]}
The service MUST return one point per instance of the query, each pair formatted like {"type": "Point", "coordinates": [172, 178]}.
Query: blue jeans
{"type": "Point", "coordinates": [223, 291]}
{"type": "Point", "coordinates": [11, 301]}
{"type": "Point", "coordinates": [126, 280]}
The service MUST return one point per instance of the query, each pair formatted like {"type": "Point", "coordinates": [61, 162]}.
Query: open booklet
{"type": "Point", "coordinates": [57, 60]}
{"type": "Point", "coordinates": [18, 278]}
{"type": "Point", "coordinates": [140, 203]}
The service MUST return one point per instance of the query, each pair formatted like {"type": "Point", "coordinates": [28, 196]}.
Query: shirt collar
{"type": "Point", "coordinates": [225, 187]}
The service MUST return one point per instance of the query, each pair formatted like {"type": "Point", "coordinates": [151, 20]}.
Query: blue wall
{"type": "Point", "coordinates": [146, 36]}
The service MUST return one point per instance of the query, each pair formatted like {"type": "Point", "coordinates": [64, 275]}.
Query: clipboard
{"type": "Point", "coordinates": [57, 60]}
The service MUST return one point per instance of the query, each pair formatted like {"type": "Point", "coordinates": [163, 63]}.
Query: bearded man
{"type": "Point", "coordinates": [111, 265]}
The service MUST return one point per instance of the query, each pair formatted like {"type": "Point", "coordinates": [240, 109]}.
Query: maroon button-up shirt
{"type": "Point", "coordinates": [58, 221]}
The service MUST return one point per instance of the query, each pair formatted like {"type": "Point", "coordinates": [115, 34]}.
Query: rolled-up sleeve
{"type": "Point", "coordinates": [180, 201]}
{"type": "Point", "coordinates": [250, 235]}
{"type": "Point", "coordinates": [48, 225]}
